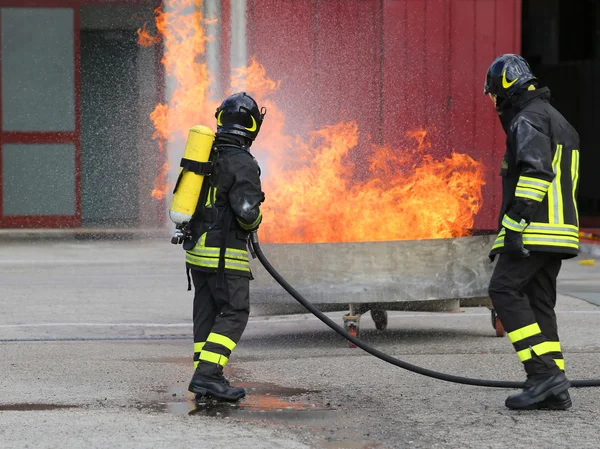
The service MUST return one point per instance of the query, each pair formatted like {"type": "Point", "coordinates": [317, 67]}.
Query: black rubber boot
{"type": "Point", "coordinates": [214, 385]}
{"type": "Point", "coordinates": [561, 401]}
{"type": "Point", "coordinates": [537, 394]}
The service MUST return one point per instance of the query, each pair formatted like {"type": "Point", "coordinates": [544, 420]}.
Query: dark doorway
{"type": "Point", "coordinates": [109, 159]}
{"type": "Point", "coordinates": [561, 40]}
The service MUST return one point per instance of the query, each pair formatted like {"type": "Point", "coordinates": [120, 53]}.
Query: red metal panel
{"type": "Point", "coordinates": [495, 29]}
{"type": "Point", "coordinates": [347, 64]}
{"type": "Point", "coordinates": [281, 37]}
{"type": "Point", "coordinates": [41, 221]}
{"type": "Point", "coordinates": [72, 3]}
{"type": "Point", "coordinates": [395, 51]}
{"type": "Point", "coordinates": [416, 71]}
{"type": "Point", "coordinates": [436, 84]}
{"type": "Point", "coordinates": [464, 82]}
{"type": "Point", "coordinates": [436, 56]}
{"type": "Point", "coordinates": [486, 120]}
{"type": "Point", "coordinates": [327, 55]}
{"type": "Point", "coordinates": [508, 26]}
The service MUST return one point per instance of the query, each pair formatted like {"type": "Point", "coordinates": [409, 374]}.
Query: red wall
{"type": "Point", "coordinates": [394, 65]}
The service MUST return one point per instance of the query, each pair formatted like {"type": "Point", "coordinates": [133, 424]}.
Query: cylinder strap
{"type": "Point", "coordinates": [200, 168]}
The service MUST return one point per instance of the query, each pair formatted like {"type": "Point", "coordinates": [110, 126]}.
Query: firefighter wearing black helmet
{"type": "Point", "coordinates": [538, 227]}
{"type": "Point", "coordinates": [217, 255]}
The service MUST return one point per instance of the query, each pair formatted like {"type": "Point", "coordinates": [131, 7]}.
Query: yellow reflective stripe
{"type": "Point", "coordinates": [499, 242]}
{"type": "Point", "coordinates": [213, 357]}
{"type": "Point", "coordinates": [557, 244]}
{"type": "Point", "coordinates": [533, 183]}
{"type": "Point", "coordinates": [201, 247]}
{"type": "Point", "coordinates": [560, 243]}
{"type": "Point", "coordinates": [221, 340]}
{"type": "Point", "coordinates": [215, 252]}
{"type": "Point", "coordinates": [563, 226]}
{"type": "Point", "coordinates": [575, 179]}
{"type": "Point", "coordinates": [208, 203]}
{"type": "Point", "coordinates": [513, 225]}
{"type": "Point", "coordinates": [541, 233]}
{"type": "Point", "coordinates": [550, 239]}
{"type": "Point", "coordinates": [211, 259]}
{"type": "Point", "coordinates": [198, 346]}
{"type": "Point", "coordinates": [560, 363]}
{"type": "Point", "coordinates": [530, 194]}
{"type": "Point", "coordinates": [211, 197]}
{"type": "Point", "coordinates": [253, 225]}
{"type": "Point", "coordinates": [524, 332]}
{"type": "Point", "coordinates": [555, 200]}
{"type": "Point", "coordinates": [196, 365]}
{"type": "Point", "coordinates": [563, 242]}
{"type": "Point", "coordinates": [552, 229]}
{"type": "Point", "coordinates": [524, 354]}
{"type": "Point", "coordinates": [539, 349]}
{"type": "Point", "coordinates": [546, 347]}
{"type": "Point", "coordinates": [559, 196]}
{"type": "Point", "coordinates": [214, 263]}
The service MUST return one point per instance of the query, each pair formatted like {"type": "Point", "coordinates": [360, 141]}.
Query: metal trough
{"type": "Point", "coordinates": [432, 275]}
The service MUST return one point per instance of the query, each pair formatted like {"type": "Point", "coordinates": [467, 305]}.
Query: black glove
{"type": "Point", "coordinates": [513, 244]}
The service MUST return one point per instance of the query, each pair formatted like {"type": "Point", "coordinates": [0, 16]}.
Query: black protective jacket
{"type": "Point", "coordinates": [540, 174]}
{"type": "Point", "coordinates": [230, 210]}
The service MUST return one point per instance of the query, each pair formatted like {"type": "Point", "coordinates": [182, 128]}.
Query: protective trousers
{"type": "Point", "coordinates": [220, 317]}
{"type": "Point", "coordinates": [523, 293]}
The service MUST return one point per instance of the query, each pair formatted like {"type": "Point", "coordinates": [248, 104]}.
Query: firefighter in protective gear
{"type": "Point", "coordinates": [217, 255]}
{"type": "Point", "coordinates": [538, 227]}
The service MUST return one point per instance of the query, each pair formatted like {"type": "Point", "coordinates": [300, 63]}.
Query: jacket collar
{"type": "Point", "coordinates": [516, 104]}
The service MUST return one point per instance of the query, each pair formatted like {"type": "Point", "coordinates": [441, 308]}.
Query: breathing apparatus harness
{"type": "Point", "coordinates": [256, 251]}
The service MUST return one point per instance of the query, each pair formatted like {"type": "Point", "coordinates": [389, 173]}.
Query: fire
{"type": "Point", "coordinates": [316, 188]}
{"type": "Point", "coordinates": [315, 193]}
{"type": "Point", "coordinates": [182, 31]}
{"type": "Point", "coordinates": [408, 194]}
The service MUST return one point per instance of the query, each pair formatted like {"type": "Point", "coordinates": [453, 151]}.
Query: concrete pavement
{"type": "Point", "coordinates": [96, 352]}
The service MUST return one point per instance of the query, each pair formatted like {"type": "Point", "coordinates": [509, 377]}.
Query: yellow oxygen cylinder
{"type": "Point", "coordinates": [185, 198]}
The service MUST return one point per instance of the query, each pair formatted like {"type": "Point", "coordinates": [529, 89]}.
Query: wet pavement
{"type": "Point", "coordinates": [101, 357]}
{"type": "Point", "coordinates": [33, 407]}
{"type": "Point", "coordinates": [263, 402]}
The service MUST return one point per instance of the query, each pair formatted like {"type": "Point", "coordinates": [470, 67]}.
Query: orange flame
{"type": "Point", "coordinates": [316, 190]}
{"type": "Point", "coordinates": [181, 30]}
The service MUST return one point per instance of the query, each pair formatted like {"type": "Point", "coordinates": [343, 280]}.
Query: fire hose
{"type": "Point", "coordinates": [382, 355]}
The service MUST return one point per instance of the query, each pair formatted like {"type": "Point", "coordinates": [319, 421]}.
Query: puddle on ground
{"type": "Point", "coordinates": [33, 407]}
{"type": "Point", "coordinates": [263, 401]}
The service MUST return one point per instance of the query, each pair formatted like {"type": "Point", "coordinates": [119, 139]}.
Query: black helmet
{"type": "Point", "coordinates": [239, 114]}
{"type": "Point", "coordinates": [507, 74]}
